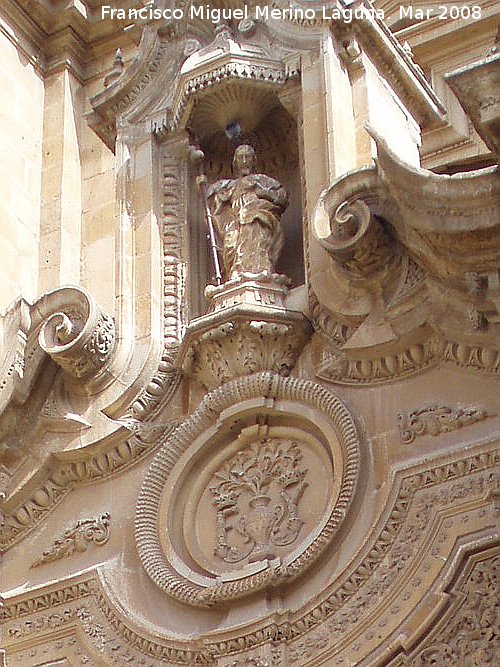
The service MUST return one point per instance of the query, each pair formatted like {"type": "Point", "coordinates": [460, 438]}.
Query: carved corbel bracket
{"type": "Point", "coordinates": [398, 263]}
{"type": "Point", "coordinates": [346, 226]}
{"type": "Point", "coordinates": [79, 336]}
{"type": "Point", "coordinates": [418, 205]}
{"type": "Point", "coordinates": [69, 326]}
{"type": "Point", "coordinates": [243, 338]}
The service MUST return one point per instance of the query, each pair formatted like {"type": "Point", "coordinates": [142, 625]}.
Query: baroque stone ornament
{"type": "Point", "coordinates": [270, 521]}
{"type": "Point", "coordinates": [247, 212]}
{"type": "Point", "coordinates": [32, 505]}
{"type": "Point", "coordinates": [436, 419]}
{"type": "Point", "coordinates": [259, 436]}
{"type": "Point", "coordinates": [390, 247]}
{"type": "Point", "coordinates": [243, 339]}
{"type": "Point", "coordinates": [77, 539]}
{"type": "Point", "coordinates": [81, 341]}
{"type": "Point", "coordinates": [391, 565]}
{"type": "Point", "coordinates": [471, 636]}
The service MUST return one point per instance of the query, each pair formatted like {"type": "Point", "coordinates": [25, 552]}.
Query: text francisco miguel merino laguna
{"type": "Point", "coordinates": [259, 12]}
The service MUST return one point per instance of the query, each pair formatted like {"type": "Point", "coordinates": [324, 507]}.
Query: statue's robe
{"type": "Point", "coordinates": [247, 212]}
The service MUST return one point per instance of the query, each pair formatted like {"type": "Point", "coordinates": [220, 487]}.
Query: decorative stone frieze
{"type": "Point", "coordinates": [31, 504]}
{"type": "Point", "coordinates": [435, 420]}
{"type": "Point", "coordinates": [274, 541]}
{"type": "Point", "coordinates": [77, 539]}
{"type": "Point", "coordinates": [470, 634]}
{"type": "Point", "coordinates": [263, 521]}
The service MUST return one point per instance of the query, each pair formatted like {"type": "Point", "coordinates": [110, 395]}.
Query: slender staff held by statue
{"type": "Point", "coordinates": [197, 156]}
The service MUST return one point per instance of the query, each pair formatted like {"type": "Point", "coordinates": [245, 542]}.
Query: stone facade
{"type": "Point", "coordinates": [291, 460]}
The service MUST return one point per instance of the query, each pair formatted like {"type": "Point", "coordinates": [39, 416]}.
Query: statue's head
{"type": "Point", "coordinates": [244, 160]}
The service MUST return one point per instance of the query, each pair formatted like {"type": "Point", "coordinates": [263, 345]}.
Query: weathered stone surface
{"type": "Point", "coordinates": [299, 465]}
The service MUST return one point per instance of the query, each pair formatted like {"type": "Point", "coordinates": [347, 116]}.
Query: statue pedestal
{"type": "Point", "coordinates": [252, 290]}
{"type": "Point", "coordinates": [249, 330]}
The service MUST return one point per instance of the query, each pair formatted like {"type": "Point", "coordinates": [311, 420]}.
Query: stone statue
{"type": "Point", "coordinates": [247, 212]}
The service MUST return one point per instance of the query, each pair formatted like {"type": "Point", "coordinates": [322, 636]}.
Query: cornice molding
{"type": "Point", "coordinates": [422, 517]}
{"type": "Point", "coordinates": [410, 209]}
{"type": "Point", "coordinates": [56, 38]}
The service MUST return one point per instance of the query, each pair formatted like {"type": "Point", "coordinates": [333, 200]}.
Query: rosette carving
{"type": "Point", "coordinates": [80, 337]}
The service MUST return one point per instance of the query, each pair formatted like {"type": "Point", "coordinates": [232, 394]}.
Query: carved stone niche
{"type": "Point", "coordinates": [229, 92]}
{"type": "Point", "coordinates": [248, 491]}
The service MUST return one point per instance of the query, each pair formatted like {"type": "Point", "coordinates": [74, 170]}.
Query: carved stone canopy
{"type": "Point", "coordinates": [252, 73]}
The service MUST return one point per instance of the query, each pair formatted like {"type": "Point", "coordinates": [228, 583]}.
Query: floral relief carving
{"type": "Point", "coordinates": [67, 475]}
{"type": "Point", "coordinates": [267, 387]}
{"type": "Point", "coordinates": [472, 637]}
{"type": "Point", "coordinates": [269, 476]}
{"type": "Point", "coordinates": [309, 632]}
{"type": "Point", "coordinates": [51, 621]}
{"type": "Point", "coordinates": [102, 341]}
{"type": "Point", "coordinates": [77, 539]}
{"type": "Point", "coordinates": [419, 498]}
{"type": "Point", "coordinates": [436, 419]}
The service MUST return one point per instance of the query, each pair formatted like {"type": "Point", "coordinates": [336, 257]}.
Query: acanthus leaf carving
{"type": "Point", "coordinates": [77, 539]}
{"type": "Point", "coordinates": [436, 419]}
